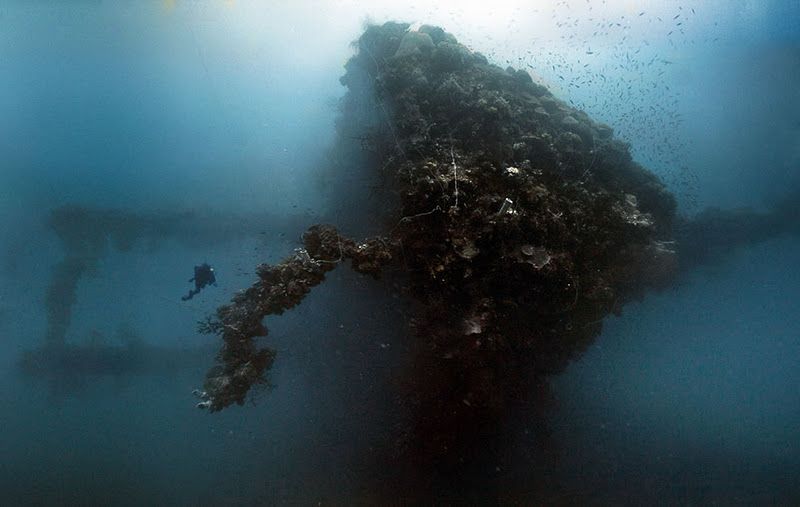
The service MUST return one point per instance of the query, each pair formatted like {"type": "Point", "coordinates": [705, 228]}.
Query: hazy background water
{"type": "Point", "coordinates": [692, 396]}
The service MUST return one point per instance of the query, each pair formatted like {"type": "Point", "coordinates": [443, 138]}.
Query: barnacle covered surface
{"type": "Point", "coordinates": [279, 288]}
{"type": "Point", "coordinates": [518, 223]}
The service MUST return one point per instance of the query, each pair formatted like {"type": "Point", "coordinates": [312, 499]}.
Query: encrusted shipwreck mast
{"type": "Point", "coordinates": [279, 288]}
{"type": "Point", "coordinates": [521, 223]}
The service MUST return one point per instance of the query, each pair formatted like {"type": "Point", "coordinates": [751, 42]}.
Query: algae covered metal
{"type": "Point", "coordinates": [518, 223]}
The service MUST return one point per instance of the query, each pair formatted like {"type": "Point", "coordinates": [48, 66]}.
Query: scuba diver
{"type": "Point", "coordinates": [203, 275]}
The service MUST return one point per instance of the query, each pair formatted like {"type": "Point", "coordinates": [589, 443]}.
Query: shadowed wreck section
{"type": "Point", "coordinates": [516, 224]}
{"type": "Point", "coordinates": [510, 223]}
{"type": "Point", "coordinates": [711, 235]}
{"type": "Point", "coordinates": [520, 224]}
{"type": "Point", "coordinates": [87, 235]}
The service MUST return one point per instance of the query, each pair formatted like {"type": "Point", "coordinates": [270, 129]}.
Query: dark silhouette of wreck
{"type": "Point", "coordinates": [511, 221]}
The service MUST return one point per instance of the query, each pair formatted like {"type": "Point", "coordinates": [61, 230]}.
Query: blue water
{"type": "Point", "coordinates": [228, 107]}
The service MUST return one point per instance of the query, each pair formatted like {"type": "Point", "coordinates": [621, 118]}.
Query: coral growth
{"type": "Point", "coordinates": [279, 288]}
{"type": "Point", "coordinates": [521, 223]}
